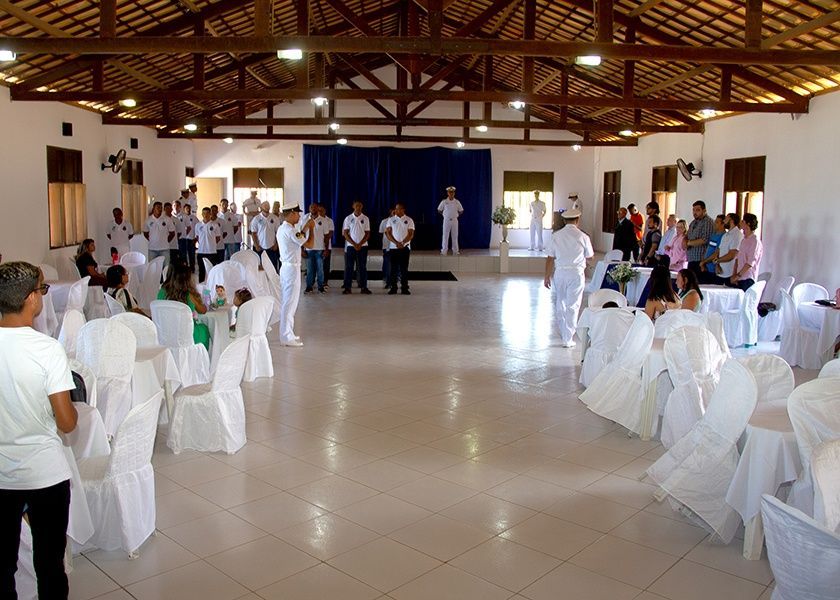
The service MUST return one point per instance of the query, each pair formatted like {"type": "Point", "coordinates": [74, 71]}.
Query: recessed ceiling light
{"type": "Point", "coordinates": [227, 140]}
{"type": "Point", "coordinates": [481, 128]}
{"type": "Point", "coordinates": [625, 132]}
{"type": "Point", "coordinates": [589, 60]}
{"type": "Point", "coordinates": [460, 143]}
{"type": "Point", "coordinates": [708, 113]}
{"type": "Point", "coordinates": [190, 127]}
{"type": "Point", "coordinates": [319, 101]}
{"type": "Point", "coordinates": [335, 126]}
{"type": "Point", "coordinates": [517, 104]}
{"type": "Point", "coordinates": [290, 54]}
{"type": "Point", "coordinates": [341, 141]}
{"type": "Point", "coordinates": [128, 102]}
{"type": "Point", "coordinates": [576, 147]}
{"type": "Point", "coordinates": [7, 56]}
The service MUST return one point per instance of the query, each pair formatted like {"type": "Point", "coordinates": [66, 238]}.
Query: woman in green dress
{"type": "Point", "coordinates": [179, 287]}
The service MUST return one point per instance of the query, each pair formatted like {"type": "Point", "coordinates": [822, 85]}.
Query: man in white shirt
{"type": "Point", "coordinates": [329, 230]}
{"type": "Point", "coordinates": [229, 227]}
{"type": "Point", "coordinates": [386, 254]}
{"type": "Point", "coordinates": [220, 245]}
{"type": "Point", "coordinates": [537, 208]}
{"type": "Point", "coordinates": [209, 234]}
{"type": "Point", "coordinates": [668, 235]}
{"type": "Point", "coordinates": [250, 210]}
{"type": "Point", "coordinates": [315, 253]}
{"type": "Point", "coordinates": [192, 199]}
{"type": "Point", "coordinates": [120, 232]}
{"type": "Point", "coordinates": [179, 231]}
{"type": "Point", "coordinates": [159, 230]}
{"type": "Point", "coordinates": [400, 230]}
{"type": "Point", "coordinates": [451, 209]}
{"type": "Point", "coordinates": [727, 251]}
{"type": "Point", "coordinates": [290, 239]}
{"type": "Point", "coordinates": [263, 230]}
{"type": "Point", "coordinates": [565, 262]}
{"type": "Point", "coordinates": [184, 199]}
{"type": "Point", "coordinates": [356, 233]}
{"type": "Point", "coordinates": [236, 219]}
{"type": "Point", "coordinates": [35, 384]}
{"type": "Point", "coordinates": [187, 242]}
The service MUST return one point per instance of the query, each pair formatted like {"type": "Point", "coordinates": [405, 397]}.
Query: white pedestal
{"type": "Point", "coordinates": [504, 257]}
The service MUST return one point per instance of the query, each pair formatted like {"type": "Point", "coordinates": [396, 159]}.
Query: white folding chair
{"type": "Point", "coordinates": [803, 554]}
{"type": "Point", "coordinates": [88, 377]}
{"type": "Point", "coordinates": [772, 374]}
{"type": "Point", "coordinates": [607, 330]}
{"type": "Point", "coordinates": [211, 417]}
{"type": "Point", "coordinates": [140, 244]}
{"type": "Point", "coordinates": [174, 324]}
{"type": "Point", "coordinates": [228, 274]}
{"type": "Point", "coordinates": [598, 298]}
{"type": "Point", "coordinates": [108, 348]}
{"type": "Point", "coordinates": [741, 325]}
{"type": "Point", "coordinates": [616, 393]}
{"type": "Point", "coordinates": [95, 306]}
{"type": "Point", "coordinates": [68, 335]}
{"type": "Point", "coordinates": [808, 292]}
{"type": "Point", "coordinates": [132, 259]}
{"type": "Point", "coordinates": [248, 258]}
{"type": "Point", "coordinates": [674, 319]}
{"type": "Point", "coordinates": [714, 323]}
{"type": "Point", "coordinates": [114, 307]}
{"type": "Point", "coordinates": [814, 410]}
{"type": "Point", "coordinates": [208, 266]}
{"type": "Point", "coordinates": [151, 282]}
{"type": "Point", "coordinates": [825, 468]}
{"type": "Point", "coordinates": [143, 328]}
{"type": "Point", "coordinates": [830, 369]}
{"type": "Point", "coordinates": [614, 256]}
{"type": "Point", "coordinates": [694, 360]}
{"type": "Point", "coordinates": [800, 344]}
{"type": "Point", "coordinates": [765, 276]}
{"type": "Point", "coordinates": [252, 321]}
{"type": "Point", "coordinates": [77, 296]}
{"type": "Point", "coordinates": [697, 470]}
{"type": "Point", "coordinates": [49, 271]}
{"type": "Point", "coordinates": [770, 325]}
{"type": "Point", "coordinates": [89, 438]}
{"type": "Point", "coordinates": [120, 488]}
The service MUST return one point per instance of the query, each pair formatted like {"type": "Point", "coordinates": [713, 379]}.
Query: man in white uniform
{"type": "Point", "coordinates": [537, 209]}
{"type": "Point", "coordinates": [250, 210]}
{"type": "Point", "coordinates": [356, 232]}
{"type": "Point", "coordinates": [209, 234]}
{"type": "Point", "coordinates": [229, 227]}
{"type": "Point", "coordinates": [220, 245]}
{"type": "Point", "coordinates": [184, 199]}
{"type": "Point", "coordinates": [263, 230]}
{"type": "Point", "coordinates": [159, 230]}
{"type": "Point", "coordinates": [290, 240]}
{"type": "Point", "coordinates": [187, 245]}
{"type": "Point", "coordinates": [400, 231]}
{"type": "Point", "coordinates": [236, 219]}
{"type": "Point", "coordinates": [567, 252]}
{"type": "Point", "coordinates": [120, 232]}
{"type": "Point", "coordinates": [192, 199]}
{"type": "Point", "coordinates": [450, 207]}
{"type": "Point", "coordinates": [179, 231]}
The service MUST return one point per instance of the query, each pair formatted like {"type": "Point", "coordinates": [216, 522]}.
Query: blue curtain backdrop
{"type": "Point", "coordinates": [335, 176]}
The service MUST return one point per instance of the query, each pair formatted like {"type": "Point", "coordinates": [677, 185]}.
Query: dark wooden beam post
{"type": "Point", "coordinates": [319, 81]}
{"type": "Point", "coordinates": [413, 29]}
{"type": "Point", "coordinates": [302, 70]}
{"type": "Point", "coordinates": [752, 23]}
{"type": "Point", "coordinates": [466, 116]}
{"type": "Point", "coordinates": [487, 85]}
{"type": "Point", "coordinates": [435, 22]}
{"type": "Point", "coordinates": [725, 84]}
{"type": "Point", "coordinates": [564, 90]}
{"type": "Point", "coordinates": [108, 18]}
{"type": "Point", "coordinates": [262, 18]}
{"type": "Point", "coordinates": [528, 62]}
{"type": "Point", "coordinates": [98, 74]}
{"type": "Point", "coordinates": [402, 84]}
{"type": "Point", "coordinates": [630, 65]}
{"type": "Point", "coordinates": [241, 83]}
{"type": "Point", "coordinates": [332, 107]}
{"type": "Point", "coordinates": [269, 112]}
{"type": "Point", "coordinates": [605, 21]}
{"type": "Point", "coordinates": [198, 59]}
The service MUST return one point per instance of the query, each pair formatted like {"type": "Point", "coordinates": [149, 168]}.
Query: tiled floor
{"type": "Point", "coordinates": [421, 447]}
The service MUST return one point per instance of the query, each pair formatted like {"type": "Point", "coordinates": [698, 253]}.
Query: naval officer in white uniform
{"type": "Point", "coordinates": [537, 208]}
{"type": "Point", "coordinates": [451, 208]}
{"type": "Point", "coordinates": [290, 239]}
{"type": "Point", "coordinates": [568, 252]}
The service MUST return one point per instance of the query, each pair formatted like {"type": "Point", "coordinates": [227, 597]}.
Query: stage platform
{"type": "Point", "coordinates": [469, 261]}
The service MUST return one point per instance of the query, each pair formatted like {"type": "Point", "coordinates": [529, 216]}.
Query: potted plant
{"type": "Point", "coordinates": [504, 216]}
{"type": "Point", "coordinates": [621, 274]}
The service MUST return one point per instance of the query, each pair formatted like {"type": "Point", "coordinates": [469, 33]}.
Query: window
{"type": "Point", "coordinates": [664, 190]}
{"type": "Point", "coordinates": [66, 197]}
{"type": "Point", "coordinates": [612, 200]}
{"type": "Point", "coordinates": [267, 182]}
{"type": "Point", "coordinates": [743, 187]}
{"type": "Point", "coordinates": [135, 200]}
{"type": "Point", "coordinates": [519, 193]}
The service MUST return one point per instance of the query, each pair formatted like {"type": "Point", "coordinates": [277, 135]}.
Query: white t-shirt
{"type": "Point", "coordinates": [570, 248]}
{"type": "Point", "coordinates": [399, 229]}
{"type": "Point", "coordinates": [32, 366]}
{"type": "Point", "coordinates": [226, 219]}
{"type": "Point", "coordinates": [356, 227]}
{"type": "Point", "coordinates": [179, 232]}
{"type": "Point", "coordinates": [236, 222]}
{"type": "Point", "coordinates": [450, 208]}
{"type": "Point", "coordinates": [119, 234]}
{"type": "Point", "coordinates": [731, 240]}
{"type": "Point", "coordinates": [321, 227]}
{"type": "Point", "coordinates": [192, 200]}
{"type": "Point", "coordinates": [330, 228]}
{"type": "Point", "coordinates": [219, 222]}
{"type": "Point", "coordinates": [159, 229]}
{"type": "Point", "coordinates": [251, 206]}
{"type": "Point", "coordinates": [265, 226]}
{"type": "Point", "coordinates": [537, 210]}
{"type": "Point", "coordinates": [289, 240]}
{"type": "Point", "coordinates": [383, 225]}
{"type": "Point", "coordinates": [189, 222]}
{"type": "Point", "coordinates": [206, 233]}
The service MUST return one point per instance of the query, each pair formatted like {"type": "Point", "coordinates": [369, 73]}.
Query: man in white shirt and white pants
{"type": "Point", "coordinates": [537, 208]}
{"type": "Point", "coordinates": [356, 232]}
{"type": "Point", "coordinates": [290, 240]}
{"type": "Point", "coordinates": [120, 232]}
{"type": "Point", "coordinates": [568, 252]}
{"type": "Point", "coordinates": [451, 209]}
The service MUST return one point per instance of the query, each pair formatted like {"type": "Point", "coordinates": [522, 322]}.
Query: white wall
{"type": "Point", "coordinates": [801, 198]}
{"type": "Point", "coordinates": [30, 127]}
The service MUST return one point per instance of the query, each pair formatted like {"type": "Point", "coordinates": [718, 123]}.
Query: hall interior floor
{"type": "Point", "coordinates": [429, 446]}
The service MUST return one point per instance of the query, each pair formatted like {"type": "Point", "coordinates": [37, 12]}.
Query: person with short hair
{"type": "Point", "coordinates": [537, 209]}
{"type": "Point", "coordinates": [624, 236]}
{"type": "Point", "coordinates": [236, 219]}
{"type": "Point", "coordinates": [653, 238]}
{"type": "Point", "coordinates": [315, 254]}
{"type": "Point", "coordinates": [329, 230]}
{"type": "Point", "coordinates": [263, 229]}
{"type": "Point", "coordinates": [400, 232]}
{"type": "Point", "coordinates": [208, 234]}
{"type": "Point", "coordinates": [192, 198]}
{"type": "Point", "coordinates": [727, 252]}
{"type": "Point", "coordinates": [187, 243]}
{"type": "Point", "coordinates": [670, 232]}
{"type": "Point", "coordinates": [174, 243]}
{"type": "Point", "coordinates": [290, 240]}
{"type": "Point", "coordinates": [638, 228]}
{"type": "Point", "coordinates": [35, 384]}
{"type": "Point", "coordinates": [356, 233]}
{"type": "Point", "coordinates": [386, 253]}
{"type": "Point", "coordinates": [229, 226]}
{"type": "Point", "coordinates": [250, 209]}
{"type": "Point", "coordinates": [697, 236]}
{"type": "Point", "coordinates": [160, 231]}
{"type": "Point", "coordinates": [451, 210]}
{"type": "Point", "coordinates": [86, 263]}
{"type": "Point", "coordinates": [117, 276]}
{"type": "Point", "coordinates": [749, 254]}
{"type": "Point", "coordinates": [220, 245]}
{"type": "Point", "coordinates": [708, 273]}
{"type": "Point", "coordinates": [661, 297]}
{"type": "Point", "coordinates": [119, 232]}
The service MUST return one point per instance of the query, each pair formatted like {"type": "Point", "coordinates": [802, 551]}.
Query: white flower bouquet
{"type": "Point", "coordinates": [622, 274]}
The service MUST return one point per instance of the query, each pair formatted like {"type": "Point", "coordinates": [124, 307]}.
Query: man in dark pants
{"type": "Point", "coordinates": [400, 230]}
{"type": "Point", "coordinates": [624, 238]}
{"type": "Point", "coordinates": [699, 232]}
{"type": "Point", "coordinates": [356, 232]}
{"type": "Point", "coordinates": [35, 384]}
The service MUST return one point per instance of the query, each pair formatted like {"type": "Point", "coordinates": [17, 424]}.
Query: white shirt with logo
{"type": "Point", "coordinates": [319, 231]}
{"type": "Point", "coordinates": [356, 227]}
{"type": "Point", "coordinates": [206, 234]}
{"type": "Point", "coordinates": [189, 222]}
{"type": "Point", "coordinates": [159, 229]}
{"type": "Point", "coordinates": [266, 227]}
{"type": "Point", "coordinates": [400, 227]}
{"type": "Point", "coordinates": [450, 208]}
{"type": "Point", "coordinates": [120, 233]}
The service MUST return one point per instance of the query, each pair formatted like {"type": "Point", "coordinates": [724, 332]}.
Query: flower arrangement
{"type": "Point", "coordinates": [622, 273]}
{"type": "Point", "coordinates": [503, 215]}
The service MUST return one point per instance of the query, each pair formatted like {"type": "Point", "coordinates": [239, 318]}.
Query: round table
{"type": "Point", "coordinates": [720, 298]}
{"type": "Point", "coordinates": [825, 319]}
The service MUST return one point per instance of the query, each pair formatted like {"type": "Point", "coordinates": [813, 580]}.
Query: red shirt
{"type": "Point", "coordinates": [638, 220]}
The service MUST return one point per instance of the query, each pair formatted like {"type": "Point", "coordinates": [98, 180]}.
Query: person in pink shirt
{"type": "Point", "coordinates": [676, 250]}
{"type": "Point", "coordinates": [749, 254]}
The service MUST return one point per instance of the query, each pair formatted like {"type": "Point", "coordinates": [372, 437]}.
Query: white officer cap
{"type": "Point", "coordinates": [572, 213]}
{"type": "Point", "coordinates": [451, 188]}
{"type": "Point", "coordinates": [292, 205]}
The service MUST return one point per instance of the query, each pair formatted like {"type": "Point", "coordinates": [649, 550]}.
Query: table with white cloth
{"type": "Point", "coordinates": [769, 459]}
{"type": "Point", "coordinates": [720, 298]}
{"type": "Point", "coordinates": [47, 321]}
{"type": "Point", "coordinates": [635, 287]}
{"type": "Point", "coordinates": [155, 369]}
{"type": "Point", "coordinates": [583, 324]}
{"type": "Point", "coordinates": [598, 275]}
{"type": "Point", "coordinates": [218, 322]}
{"type": "Point", "coordinates": [827, 320]}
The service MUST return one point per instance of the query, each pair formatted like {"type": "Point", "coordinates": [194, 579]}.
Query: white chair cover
{"type": "Point", "coordinates": [765, 276]}
{"type": "Point", "coordinates": [114, 307]}
{"type": "Point", "coordinates": [144, 329]}
{"type": "Point", "coordinates": [231, 275]}
{"type": "Point", "coordinates": [714, 323]}
{"type": "Point", "coordinates": [741, 326]}
{"type": "Point", "coordinates": [88, 377]}
{"type": "Point", "coordinates": [208, 266]}
{"type": "Point", "coordinates": [803, 554]}
{"type": "Point", "coordinates": [132, 259]}
{"type": "Point", "coordinates": [770, 325]}
{"type": "Point", "coordinates": [825, 467]}
{"type": "Point", "coordinates": [108, 348]}
{"type": "Point", "coordinates": [616, 393]}
{"type": "Point", "coordinates": [808, 292]}
{"type": "Point", "coordinates": [120, 488]}
{"type": "Point", "coordinates": [247, 258]}
{"type": "Point", "coordinates": [613, 256]}
{"type": "Point", "coordinates": [800, 345]}
{"type": "Point", "coordinates": [49, 271]}
{"type": "Point", "coordinates": [830, 369]}
{"type": "Point", "coordinates": [598, 298]}
{"type": "Point", "coordinates": [69, 333]}
{"type": "Point", "coordinates": [70, 272]}
{"type": "Point", "coordinates": [174, 324]}
{"type": "Point", "coordinates": [814, 410]}
{"type": "Point", "coordinates": [140, 244]}
{"type": "Point", "coordinates": [252, 321]}
{"type": "Point", "coordinates": [211, 417]}
{"type": "Point", "coordinates": [95, 305]}
{"type": "Point", "coordinates": [273, 286]}
{"type": "Point", "coordinates": [694, 360]}
{"type": "Point", "coordinates": [607, 330]}
{"type": "Point", "coordinates": [697, 470]}
{"type": "Point", "coordinates": [151, 282]}
{"type": "Point", "coordinates": [77, 295]}
{"type": "Point", "coordinates": [772, 374]}
{"type": "Point", "coordinates": [674, 319]}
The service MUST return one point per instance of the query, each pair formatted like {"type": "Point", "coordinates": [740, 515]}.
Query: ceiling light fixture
{"type": "Point", "coordinates": [576, 147]}
{"type": "Point", "coordinates": [335, 126]}
{"type": "Point", "coordinates": [708, 113]}
{"type": "Point", "coordinates": [517, 104]}
{"type": "Point", "coordinates": [625, 133]}
{"type": "Point", "coordinates": [341, 141]}
{"type": "Point", "coordinates": [290, 54]}
{"type": "Point", "coordinates": [319, 101]}
{"type": "Point", "coordinates": [128, 102]}
{"type": "Point", "coordinates": [7, 56]}
{"type": "Point", "coordinates": [460, 143]}
{"type": "Point", "coordinates": [481, 128]}
{"type": "Point", "coordinates": [190, 127]}
{"type": "Point", "coordinates": [588, 60]}
{"type": "Point", "coordinates": [227, 140]}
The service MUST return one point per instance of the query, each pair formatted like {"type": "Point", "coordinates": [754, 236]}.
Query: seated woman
{"type": "Point", "coordinates": [689, 290]}
{"type": "Point", "coordinates": [240, 297]}
{"type": "Point", "coordinates": [86, 263]}
{"type": "Point", "coordinates": [179, 287]}
{"type": "Point", "coordinates": [677, 249]}
{"type": "Point", "coordinates": [117, 277]}
{"type": "Point", "coordinates": [662, 296]}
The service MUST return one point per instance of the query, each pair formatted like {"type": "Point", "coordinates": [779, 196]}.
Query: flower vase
{"type": "Point", "coordinates": [622, 287]}
{"type": "Point", "coordinates": [504, 234]}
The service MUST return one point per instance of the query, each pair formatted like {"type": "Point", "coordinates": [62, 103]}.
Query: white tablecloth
{"type": "Point", "coordinates": [719, 298]}
{"type": "Point", "coordinates": [154, 370]}
{"type": "Point", "coordinates": [47, 321]}
{"type": "Point", "coordinates": [824, 318]}
{"type": "Point", "coordinates": [218, 321]}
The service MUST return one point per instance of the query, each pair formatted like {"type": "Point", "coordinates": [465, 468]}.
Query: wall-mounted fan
{"type": "Point", "coordinates": [115, 161]}
{"type": "Point", "coordinates": [688, 170]}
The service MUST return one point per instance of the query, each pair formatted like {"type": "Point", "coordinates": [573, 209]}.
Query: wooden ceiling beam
{"type": "Point", "coordinates": [801, 29]}
{"type": "Point", "coordinates": [355, 87]}
{"type": "Point", "coordinates": [604, 21]}
{"type": "Point", "coordinates": [752, 23]}
{"type": "Point", "coordinates": [644, 7]}
{"type": "Point", "coordinates": [108, 18]}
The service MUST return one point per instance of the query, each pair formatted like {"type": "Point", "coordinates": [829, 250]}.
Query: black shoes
{"type": "Point", "coordinates": [392, 292]}
{"type": "Point", "coordinates": [347, 291]}
{"type": "Point", "coordinates": [307, 290]}
{"type": "Point", "coordinates": [364, 291]}
{"type": "Point", "coordinates": [405, 293]}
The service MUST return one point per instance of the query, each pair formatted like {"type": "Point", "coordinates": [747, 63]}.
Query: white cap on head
{"type": "Point", "coordinates": [290, 205]}
{"type": "Point", "coordinates": [572, 213]}
{"type": "Point", "coordinates": [451, 188]}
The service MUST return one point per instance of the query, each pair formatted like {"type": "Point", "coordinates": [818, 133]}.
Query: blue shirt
{"type": "Point", "coordinates": [714, 242]}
